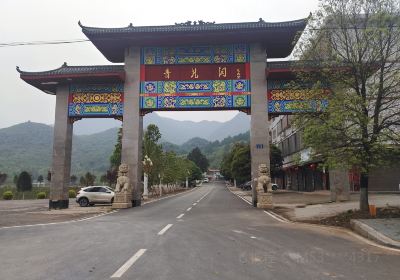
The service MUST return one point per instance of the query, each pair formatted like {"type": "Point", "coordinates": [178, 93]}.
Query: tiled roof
{"type": "Point", "coordinates": [48, 81]}
{"type": "Point", "coordinates": [75, 70]}
{"type": "Point", "coordinates": [185, 27]}
{"type": "Point", "coordinates": [278, 38]}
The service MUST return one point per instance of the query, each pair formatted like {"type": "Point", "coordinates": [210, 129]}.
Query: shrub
{"type": "Point", "coordinates": [71, 194]}
{"type": "Point", "coordinates": [7, 195]}
{"type": "Point", "coordinates": [41, 195]}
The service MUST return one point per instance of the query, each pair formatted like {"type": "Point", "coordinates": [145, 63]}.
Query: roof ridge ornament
{"type": "Point", "coordinates": [130, 25]}
{"type": "Point", "coordinates": [80, 24]}
{"type": "Point", "coordinates": [191, 23]}
{"type": "Point", "coordinates": [261, 20]}
{"type": "Point", "coordinates": [19, 70]}
{"type": "Point", "coordinates": [64, 65]}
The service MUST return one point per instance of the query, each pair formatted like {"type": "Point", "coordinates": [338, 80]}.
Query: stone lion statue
{"type": "Point", "coordinates": [123, 182]}
{"type": "Point", "coordinates": [263, 180]}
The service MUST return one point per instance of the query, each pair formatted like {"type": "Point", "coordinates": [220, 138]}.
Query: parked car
{"type": "Point", "coordinates": [95, 194]}
{"type": "Point", "coordinates": [246, 186]}
{"type": "Point", "coordinates": [205, 180]}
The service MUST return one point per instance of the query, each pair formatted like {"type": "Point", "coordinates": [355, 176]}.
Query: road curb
{"type": "Point", "coordinates": [372, 234]}
{"type": "Point", "coordinates": [354, 234]}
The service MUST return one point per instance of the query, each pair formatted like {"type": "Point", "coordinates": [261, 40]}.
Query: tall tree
{"type": "Point", "coordinates": [241, 163]}
{"type": "Point", "coordinates": [199, 159]}
{"type": "Point", "coordinates": [73, 179]}
{"type": "Point", "coordinates": [24, 182]}
{"type": "Point", "coordinates": [88, 179]}
{"type": "Point", "coordinates": [40, 179]}
{"type": "Point", "coordinates": [276, 161]}
{"type": "Point", "coordinates": [3, 178]}
{"type": "Point", "coordinates": [153, 150]}
{"type": "Point", "coordinates": [115, 159]}
{"type": "Point", "coordinates": [356, 43]}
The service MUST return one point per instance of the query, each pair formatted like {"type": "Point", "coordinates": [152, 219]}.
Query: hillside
{"type": "Point", "coordinates": [214, 151]}
{"type": "Point", "coordinates": [28, 146]}
{"type": "Point", "coordinates": [174, 131]}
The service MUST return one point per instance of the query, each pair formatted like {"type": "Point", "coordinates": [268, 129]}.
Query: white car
{"type": "Point", "coordinates": [94, 194]}
{"type": "Point", "coordinates": [205, 180]}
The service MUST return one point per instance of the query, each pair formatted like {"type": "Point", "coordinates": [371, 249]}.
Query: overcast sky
{"type": "Point", "coordinates": [27, 20]}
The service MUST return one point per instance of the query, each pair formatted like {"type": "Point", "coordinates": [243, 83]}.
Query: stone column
{"type": "Point", "coordinates": [132, 127]}
{"type": "Point", "coordinates": [62, 147]}
{"type": "Point", "coordinates": [259, 128]}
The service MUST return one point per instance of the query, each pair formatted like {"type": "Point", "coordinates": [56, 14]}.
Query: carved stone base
{"type": "Point", "coordinates": [264, 201]}
{"type": "Point", "coordinates": [122, 200]}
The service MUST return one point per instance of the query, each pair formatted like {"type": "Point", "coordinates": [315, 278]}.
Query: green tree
{"type": "Point", "coordinates": [3, 178]}
{"type": "Point", "coordinates": [115, 159]}
{"type": "Point", "coordinates": [199, 159]}
{"type": "Point", "coordinates": [48, 178]}
{"type": "Point", "coordinates": [226, 165]}
{"type": "Point", "coordinates": [110, 177]}
{"type": "Point", "coordinates": [276, 161]}
{"type": "Point", "coordinates": [88, 179]}
{"type": "Point", "coordinates": [40, 179]}
{"type": "Point", "coordinates": [170, 167]}
{"type": "Point", "coordinates": [24, 182]}
{"type": "Point", "coordinates": [241, 163]}
{"type": "Point", "coordinates": [360, 127]}
{"type": "Point", "coordinates": [15, 179]}
{"type": "Point", "coordinates": [73, 179]}
{"type": "Point", "coordinates": [153, 149]}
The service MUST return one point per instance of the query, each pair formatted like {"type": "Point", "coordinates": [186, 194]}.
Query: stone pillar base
{"type": "Point", "coordinates": [136, 202]}
{"type": "Point", "coordinates": [122, 200]}
{"type": "Point", "coordinates": [58, 204]}
{"type": "Point", "coordinates": [264, 201]}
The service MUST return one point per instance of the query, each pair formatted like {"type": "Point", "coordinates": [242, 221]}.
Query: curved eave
{"type": "Point", "coordinates": [279, 38]}
{"type": "Point", "coordinates": [48, 81]}
{"type": "Point", "coordinates": [288, 69]}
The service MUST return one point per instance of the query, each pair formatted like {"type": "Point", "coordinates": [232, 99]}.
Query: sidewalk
{"type": "Point", "coordinates": [300, 207]}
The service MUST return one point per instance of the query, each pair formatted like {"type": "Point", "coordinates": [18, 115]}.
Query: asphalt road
{"type": "Point", "coordinates": [220, 237]}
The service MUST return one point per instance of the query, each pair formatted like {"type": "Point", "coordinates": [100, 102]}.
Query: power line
{"type": "Point", "coordinates": [74, 41]}
{"type": "Point", "coordinates": [40, 43]}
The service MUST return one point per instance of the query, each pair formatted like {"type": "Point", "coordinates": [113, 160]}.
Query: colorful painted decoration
{"type": "Point", "coordinates": [284, 99]}
{"type": "Point", "coordinates": [195, 102]}
{"type": "Point", "coordinates": [208, 77]}
{"type": "Point", "coordinates": [296, 106]}
{"type": "Point", "coordinates": [209, 54]}
{"type": "Point", "coordinates": [96, 100]}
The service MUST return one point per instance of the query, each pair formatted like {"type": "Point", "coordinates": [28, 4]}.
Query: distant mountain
{"type": "Point", "coordinates": [214, 151]}
{"type": "Point", "coordinates": [28, 146]}
{"type": "Point", "coordinates": [174, 131]}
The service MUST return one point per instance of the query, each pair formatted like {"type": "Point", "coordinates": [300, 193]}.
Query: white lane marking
{"type": "Point", "coordinates": [203, 197]}
{"type": "Point", "coordinates": [194, 204]}
{"type": "Point", "coordinates": [253, 237]}
{"type": "Point", "coordinates": [128, 264]}
{"type": "Point", "coordinates": [65, 222]}
{"type": "Point", "coordinates": [169, 196]}
{"type": "Point", "coordinates": [165, 229]}
{"type": "Point", "coordinates": [245, 200]}
{"type": "Point", "coordinates": [180, 216]}
{"type": "Point", "coordinates": [363, 239]}
{"type": "Point", "coordinates": [190, 208]}
{"type": "Point", "coordinates": [277, 217]}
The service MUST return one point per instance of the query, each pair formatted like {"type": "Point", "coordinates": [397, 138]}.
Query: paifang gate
{"type": "Point", "coordinates": [187, 66]}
